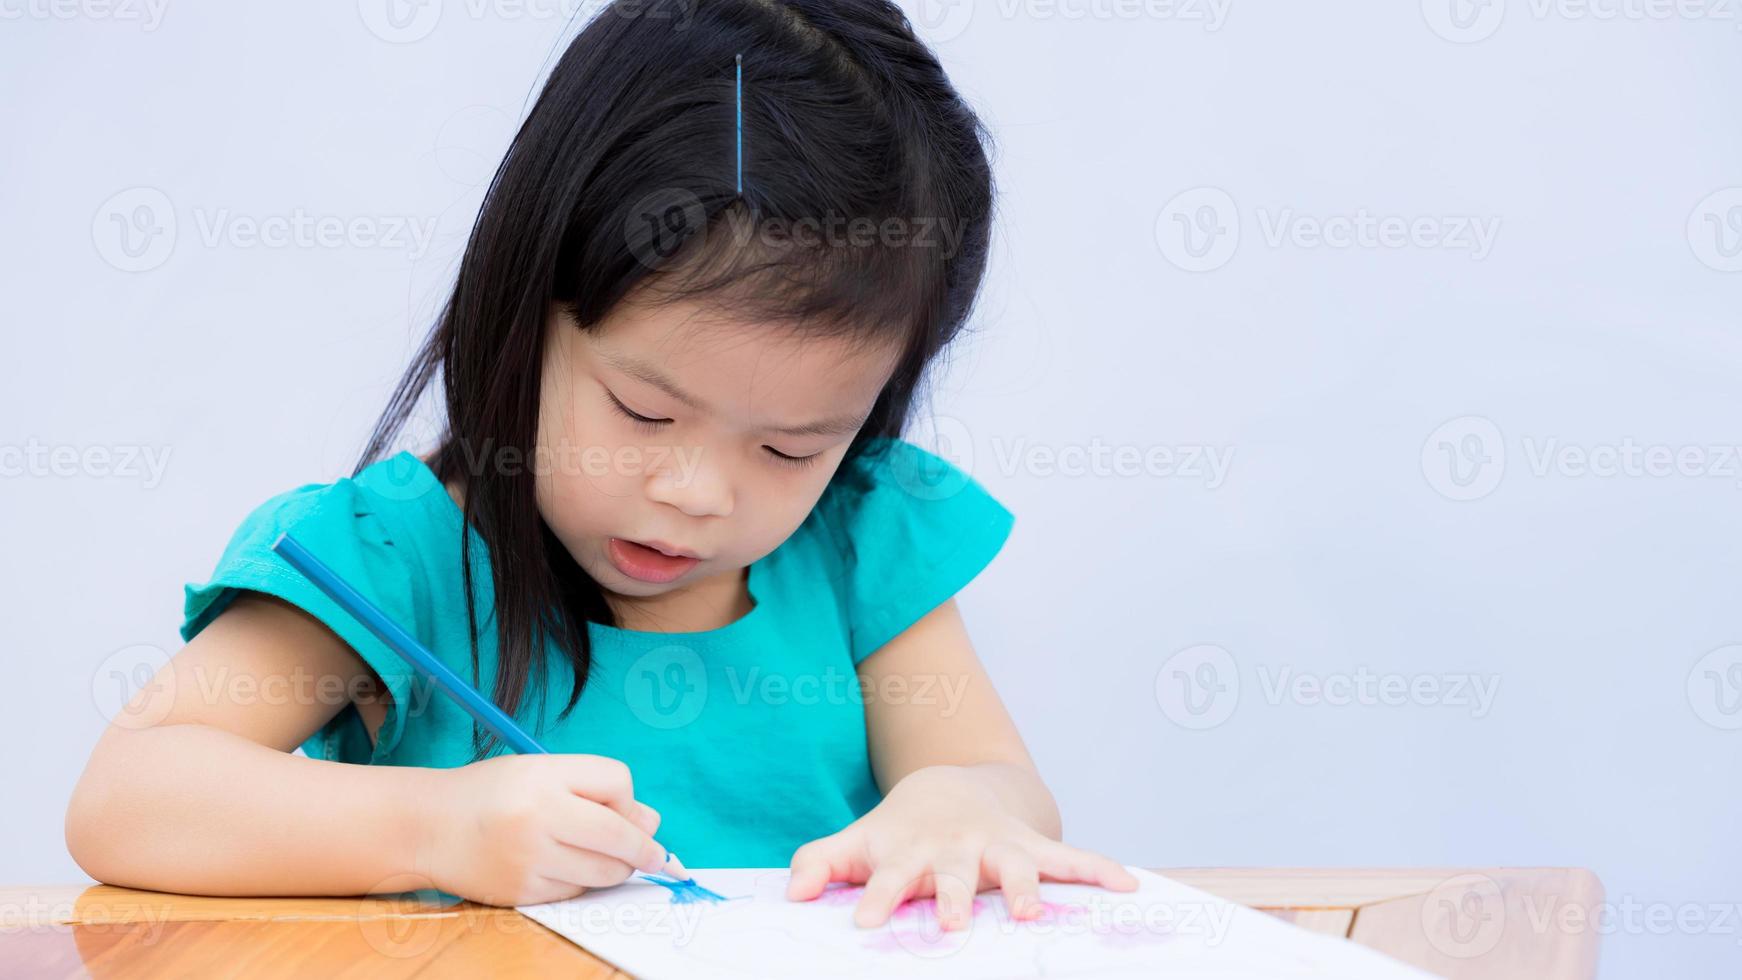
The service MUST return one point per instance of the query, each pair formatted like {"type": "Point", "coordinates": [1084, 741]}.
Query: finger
{"type": "Point", "coordinates": [647, 818]}
{"type": "Point", "coordinates": [819, 862]}
{"type": "Point", "coordinates": [890, 884]}
{"type": "Point", "coordinates": [551, 890]}
{"type": "Point", "coordinates": [582, 868]}
{"type": "Point", "coordinates": [603, 780]}
{"type": "Point", "coordinates": [1062, 862]}
{"type": "Point", "coordinates": [1019, 877]}
{"type": "Point", "coordinates": [591, 827]}
{"type": "Point", "coordinates": [955, 881]}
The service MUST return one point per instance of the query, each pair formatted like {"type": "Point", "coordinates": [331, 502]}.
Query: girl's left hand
{"type": "Point", "coordinates": [939, 832]}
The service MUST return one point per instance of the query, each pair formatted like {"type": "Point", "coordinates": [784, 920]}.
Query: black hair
{"type": "Point", "coordinates": [624, 179]}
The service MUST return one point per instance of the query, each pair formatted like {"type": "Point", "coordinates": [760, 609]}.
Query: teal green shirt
{"type": "Point", "coordinates": [748, 739]}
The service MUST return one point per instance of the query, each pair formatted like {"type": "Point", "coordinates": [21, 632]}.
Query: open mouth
{"type": "Point", "coordinates": [648, 563]}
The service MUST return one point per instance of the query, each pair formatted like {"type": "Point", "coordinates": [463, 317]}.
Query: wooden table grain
{"type": "Point", "coordinates": [1492, 923]}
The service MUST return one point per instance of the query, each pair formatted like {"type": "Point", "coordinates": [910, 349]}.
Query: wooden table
{"type": "Point", "coordinates": [1495, 923]}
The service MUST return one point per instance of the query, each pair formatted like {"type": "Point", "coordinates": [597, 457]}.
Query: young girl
{"type": "Point", "coordinates": [670, 525]}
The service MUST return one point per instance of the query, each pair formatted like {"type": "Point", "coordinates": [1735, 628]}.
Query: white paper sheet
{"type": "Point", "coordinates": [1162, 929]}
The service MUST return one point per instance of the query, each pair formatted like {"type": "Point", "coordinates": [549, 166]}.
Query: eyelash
{"type": "Point", "coordinates": [624, 411]}
{"type": "Point", "coordinates": [796, 462]}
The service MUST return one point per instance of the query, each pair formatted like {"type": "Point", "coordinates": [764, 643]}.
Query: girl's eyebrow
{"type": "Point", "coordinates": [836, 425]}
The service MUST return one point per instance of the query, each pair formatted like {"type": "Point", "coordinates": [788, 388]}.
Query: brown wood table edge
{"type": "Point", "coordinates": [1420, 915]}
{"type": "Point", "coordinates": [1391, 910]}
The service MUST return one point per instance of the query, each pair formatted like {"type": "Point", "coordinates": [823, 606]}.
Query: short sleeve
{"type": "Point", "coordinates": [910, 529]}
{"type": "Point", "coordinates": [338, 523]}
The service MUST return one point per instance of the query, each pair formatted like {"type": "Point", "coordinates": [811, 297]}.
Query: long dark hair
{"type": "Point", "coordinates": [624, 177]}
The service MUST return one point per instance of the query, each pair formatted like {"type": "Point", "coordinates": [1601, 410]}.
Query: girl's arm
{"type": "Point", "coordinates": [209, 800]}
{"type": "Point", "coordinates": [194, 789]}
{"type": "Point", "coordinates": [963, 801]}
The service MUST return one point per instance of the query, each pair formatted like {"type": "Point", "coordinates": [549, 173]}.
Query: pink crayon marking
{"type": "Point", "coordinates": [1043, 911]}
{"type": "Point", "coordinates": [838, 893]}
{"type": "Point", "coordinates": [919, 908]}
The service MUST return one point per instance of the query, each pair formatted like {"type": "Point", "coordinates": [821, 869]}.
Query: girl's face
{"type": "Point", "coordinates": [669, 429]}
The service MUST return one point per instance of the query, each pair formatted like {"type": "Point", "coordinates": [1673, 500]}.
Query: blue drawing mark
{"type": "Point", "coordinates": [683, 892]}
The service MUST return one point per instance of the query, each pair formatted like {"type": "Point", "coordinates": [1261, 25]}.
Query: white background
{"type": "Point", "coordinates": [1603, 312]}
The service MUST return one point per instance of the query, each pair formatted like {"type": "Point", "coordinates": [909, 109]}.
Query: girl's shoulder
{"type": "Point", "coordinates": [905, 530]}
{"type": "Point", "coordinates": [377, 530]}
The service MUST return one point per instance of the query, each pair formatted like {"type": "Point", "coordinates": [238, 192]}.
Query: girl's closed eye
{"type": "Point", "coordinates": [793, 461]}
{"type": "Point", "coordinates": [784, 459]}
{"type": "Point", "coordinates": [633, 415]}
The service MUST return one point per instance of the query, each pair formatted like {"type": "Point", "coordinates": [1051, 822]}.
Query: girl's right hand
{"type": "Point", "coordinates": [526, 829]}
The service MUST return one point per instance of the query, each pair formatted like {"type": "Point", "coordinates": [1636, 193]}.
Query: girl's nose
{"type": "Point", "coordinates": [699, 490]}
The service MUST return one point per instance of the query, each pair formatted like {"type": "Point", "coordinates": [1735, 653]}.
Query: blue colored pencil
{"type": "Point", "coordinates": [416, 655]}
